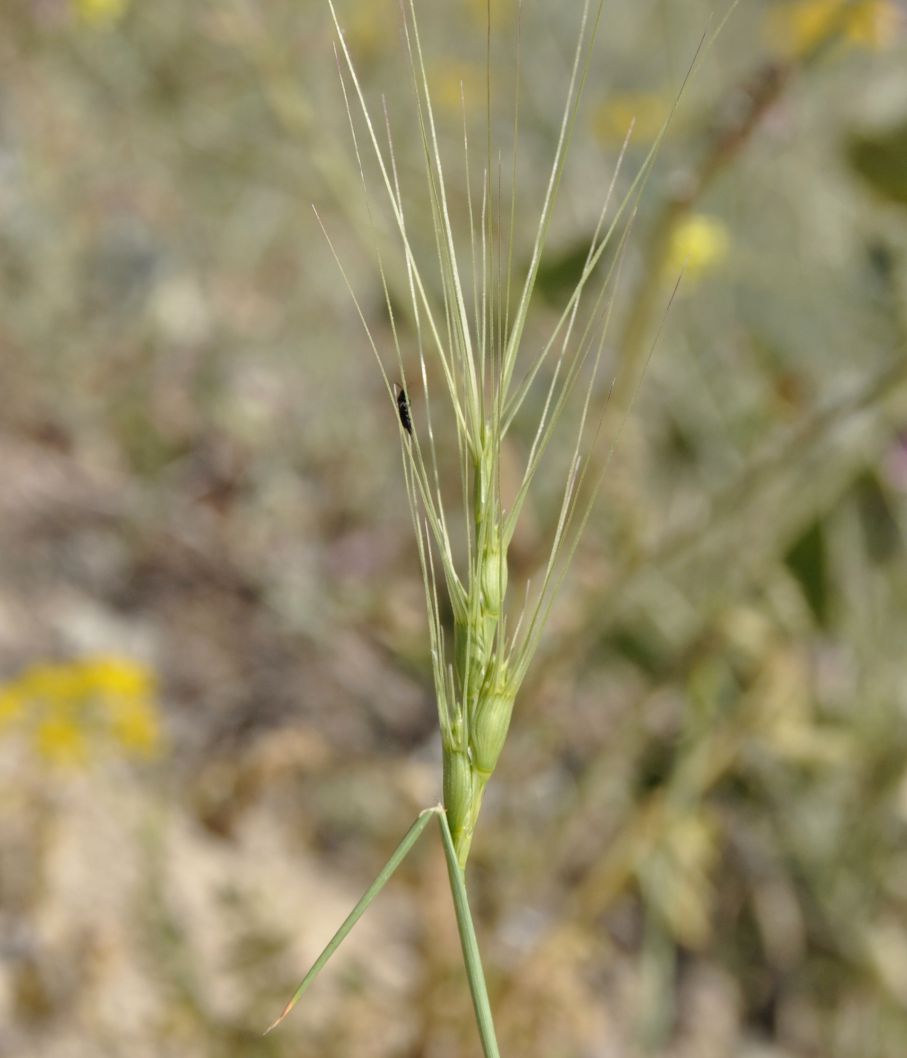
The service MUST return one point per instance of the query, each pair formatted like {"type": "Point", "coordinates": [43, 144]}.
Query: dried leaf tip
{"type": "Point", "coordinates": [278, 1021]}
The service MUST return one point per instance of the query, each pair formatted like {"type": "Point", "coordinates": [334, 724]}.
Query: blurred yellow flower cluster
{"type": "Point", "coordinates": [501, 12]}
{"type": "Point", "coordinates": [697, 244]}
{"type": "Point", "coordinates": [798, 26]}
{"type": "Point", "coordinates": [371, 27]}
{"type": "Point", "coordinates": [69, 711]}
{"type": "Point", "coordinates": [100, 12]}
{"type": "Point", "coordinates": [645, 111]}
{"type": "Point", "coordinates": [454, 85]}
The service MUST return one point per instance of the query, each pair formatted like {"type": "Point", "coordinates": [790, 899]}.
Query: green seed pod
{"type": "Point", "coordinates": [489, 727]}
{"type": "Point", "coordinates": [458, 788]}
{"type": "Point", "coordinates": [494, 577]}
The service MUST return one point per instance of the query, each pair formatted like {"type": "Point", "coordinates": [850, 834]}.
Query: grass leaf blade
{"type": "Point", "coordinates": [398, 856]}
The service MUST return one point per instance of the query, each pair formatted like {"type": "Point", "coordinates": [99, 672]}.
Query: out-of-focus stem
{"type": "Point", "coordinates": [749, 105]}
{"type": "Point", "coordinates": [733, 127]}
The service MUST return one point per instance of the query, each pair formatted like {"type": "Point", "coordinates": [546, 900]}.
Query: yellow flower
{"type": "Point", "coordinates": [697, 243]}
{"type": "Point", "coordinates": [134, 724]}
{"type": "Point", "coordinates": [445, 81]}
{"type": "Point", "coordinates": [60, 740]}
{"type": "Point", "coordinates": [800, 25]}
{"type": "Point", "coordinates": [115, 676]}
{"type": "Point", "coordinates": [10, 706]}
{"type": "Point", "coordinates": [645, 111]}
{"type": "Point", "coordinates": [100, 12]}
{"type": "Point", "coordinates": [48, 683]}
{"type": "Point", "coordinates": [502, 12]}
{"type": "Point", "coordinates": [69, 708]}
{"type": "Point", "coordinates": [371, 26]}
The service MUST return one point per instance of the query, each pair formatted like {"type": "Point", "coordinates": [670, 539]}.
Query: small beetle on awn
{"type": "Point", "coordinates": [403, 411]}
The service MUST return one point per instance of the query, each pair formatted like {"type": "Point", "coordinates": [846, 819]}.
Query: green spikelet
{"type": "Point", "coordinates": [461, 800]}
{"type": "Point", "coordinates": [474, 647]}
{"type": "Point", "coordinates": [493, 576]}
{"type": "Point", "coordinates": [490, 723]}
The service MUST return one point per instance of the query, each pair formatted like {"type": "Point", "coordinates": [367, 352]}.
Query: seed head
{"type": "Point", "coordinates": [473, 346]}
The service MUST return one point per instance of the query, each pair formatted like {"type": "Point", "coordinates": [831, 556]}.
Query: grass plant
{"type": "Point", "coordinates": [468, 327]}
{"type": "Point", "coordinates": [692, 842]}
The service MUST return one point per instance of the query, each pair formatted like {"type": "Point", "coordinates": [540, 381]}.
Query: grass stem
{"type": "Point", "coordinates": [471, 957]}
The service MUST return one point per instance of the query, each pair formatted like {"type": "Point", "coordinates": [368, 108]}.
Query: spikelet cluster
{"type": "Point", "coordinates": [469, 340]}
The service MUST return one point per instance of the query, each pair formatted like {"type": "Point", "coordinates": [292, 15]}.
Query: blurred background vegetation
{"type": "Point", "coordinates": [216, 715]}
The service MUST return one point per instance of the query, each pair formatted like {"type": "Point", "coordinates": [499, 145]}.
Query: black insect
{"type": "Point", "coordinates": [403, 409]}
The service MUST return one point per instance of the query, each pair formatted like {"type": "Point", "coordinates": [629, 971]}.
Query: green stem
{"type": "Point", "coordinates": [470, 945]}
